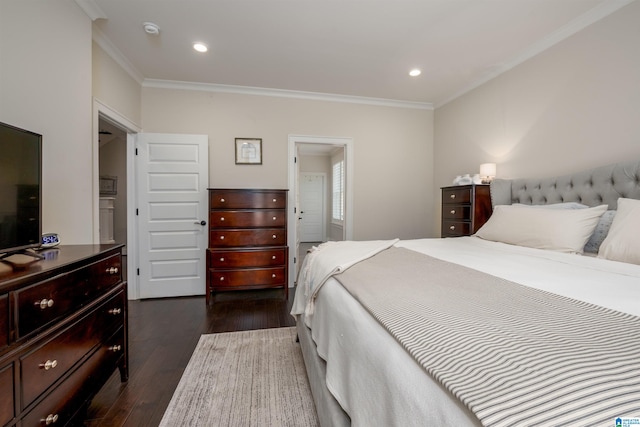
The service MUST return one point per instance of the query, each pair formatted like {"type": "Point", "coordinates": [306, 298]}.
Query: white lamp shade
{"type": "Point", "coordinates": [488, 170]}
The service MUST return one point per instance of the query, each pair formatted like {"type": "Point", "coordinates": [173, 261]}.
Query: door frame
{"type": "Point", "coordinates": [347, 144]}
{"type": "Point", "coordinates": [102, 111]}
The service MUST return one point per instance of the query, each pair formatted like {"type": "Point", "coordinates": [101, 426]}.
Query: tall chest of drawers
{"type": "Point", "coordinates": [247, 240]}
{"type": "Point", "coordinates": [465, 208]}
{"type": "Point", "coordinates": [63, 331]}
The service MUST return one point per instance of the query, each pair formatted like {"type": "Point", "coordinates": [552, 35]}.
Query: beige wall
{"type": "Point", "coordinates": [114, 87]}
{"type": "Point", "coordinates": [393, 154]}
{"type": "Point", "coordinates": [45, 87]}
{"type": "Point", "coordinates": [572, 107]}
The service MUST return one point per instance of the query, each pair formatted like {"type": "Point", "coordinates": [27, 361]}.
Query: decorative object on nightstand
{"type": "Point", "coordinates": [465, 208]}
{"type": "Point", "coordinates": [487, 172]}
{"type": "Point", "coordinates": [247, 240]}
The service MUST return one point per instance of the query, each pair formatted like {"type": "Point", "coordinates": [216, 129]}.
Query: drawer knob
{"type": "Point", "coordinates": [453, 196]}
{"type": "Point", "coordinates": [221, 218]}
{"type": "Point", "coordinates": [222, 279]}
{"type": "Point", "coordinates": [221, 200]}
{"type": "Point", "coordinates": [112, 270]}
{"type": "Point", "coordinates": [273, 257]}
{"type": "Point", "coordinates": [273, 275]}
{"type": "Point", "coordinates": [44, 303]}
{"type": "Point", "coordinates": [221, 259]}
{"type": "Point", "coordinates": [274, 218]}
{"type": "Point", "coordinates": [274, 236]}
{"type": "Point", "coordinates": [115, 311]}
{"type": "Point", "coordinates": [51, 419]}
{"type": "Point", "coordinates": [115, 348]}
{"type": "Point", "coordinates": [453, 211]}
{"type": "Point", "coordinates": [221, 237]}
{"type": "Point", "coordinates": [453, 227]}
{"type": "Point", "coordinates": [274, 200]}
{"type": "Point", "coordinates": [49, 364]}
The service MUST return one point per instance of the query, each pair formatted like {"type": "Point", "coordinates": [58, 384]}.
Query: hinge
{"type": "Point", "coordinates": [295, 260]}
{"type": "Point", "coordinates": [295, 209]}
{"type": "Point", "coordinates": [138, 271]}
{"type": "Point", "coordinates": [295, 160]}
{"type": "Point", "coordinates": [136, 151]}
{"type": "Point", "coordinates": [137, 213]}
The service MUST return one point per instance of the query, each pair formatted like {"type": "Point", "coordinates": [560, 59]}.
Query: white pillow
{"type": "Point", "coordinates": [563, 230]}
{"type": "Point", "coordinates": [623, 241]}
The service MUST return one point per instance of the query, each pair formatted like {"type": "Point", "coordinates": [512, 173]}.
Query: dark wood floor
{"type": "Point", "coordinates": [162, 335]}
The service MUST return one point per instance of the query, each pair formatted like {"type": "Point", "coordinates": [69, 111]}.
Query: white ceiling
{"type": "Point", "coordinates": [354, 48]}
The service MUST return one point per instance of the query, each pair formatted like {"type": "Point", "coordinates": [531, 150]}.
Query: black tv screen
{"type": "Point", "coordinates": [20, 189]}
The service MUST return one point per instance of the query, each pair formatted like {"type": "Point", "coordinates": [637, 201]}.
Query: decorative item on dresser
{"type": "Point", "coordinates": [465, 208]}
{"type": "Point", "coordinates": [247, 240]}
{"type": "Point", "coordinates": [63, 331]}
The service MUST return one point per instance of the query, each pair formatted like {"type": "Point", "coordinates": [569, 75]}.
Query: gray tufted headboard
{"type": "Point", "coordinates": [603, 185]}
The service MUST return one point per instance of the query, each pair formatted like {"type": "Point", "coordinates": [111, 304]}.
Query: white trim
{"type": "Point", "coordinates": [282, 93]}
{"type": "Point", "coordinates": [599, 12]}
{"type": "Point", "coordinates": [102, 111]}
{"type": "Point", "coordinates": [101, 40]}
{"type": "Point", "coordinates": [347, 143]}
{"type": "Point", "coordinates": [91, 8]}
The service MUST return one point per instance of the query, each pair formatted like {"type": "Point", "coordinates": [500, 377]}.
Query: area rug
{"type": "Point", "coordinates": [249, 378]}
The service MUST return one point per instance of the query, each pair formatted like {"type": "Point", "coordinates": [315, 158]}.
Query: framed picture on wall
{"type": "Point", "coordinates": [248, 151]}
{"type": "Point", "coordinates": [108, 185]}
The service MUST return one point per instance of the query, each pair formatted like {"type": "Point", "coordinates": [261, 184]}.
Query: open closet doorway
{"type": "Point", "coordinates": [320, 182]}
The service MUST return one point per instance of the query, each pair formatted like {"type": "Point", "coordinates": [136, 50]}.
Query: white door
{"type": "Point", "coordinates": [172, 178]}
{"type": "Point", "coordinates": [312, 207]}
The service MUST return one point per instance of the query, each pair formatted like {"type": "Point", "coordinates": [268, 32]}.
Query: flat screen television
{"type": "Point", "coordinates": [20, 189]}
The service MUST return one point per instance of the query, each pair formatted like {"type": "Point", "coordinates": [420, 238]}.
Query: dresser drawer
{"type": "Point", "coordinates": [62, 403]}
{"type": "Point", "coordinates": [47, 363]}
{"type": "Point", "coordinates": [7, 411]}
{"type": "Point", "coordinates": [247, 199]}
{"type": "Point", "coordinates": [456, 212]}
{"type": "Point", "coordinates": [255, 277]}
{"type": "Point", "coordinates": [47, 301]}
{"type": "Point", "coordinates": [456, 195]}
{"type": "Point", "coordinates": [4, 322]}
{"type": "Point", "coordinates": [455, 229]}
{"type": "Point", "coordinates": [247, 258]}
{"type": "Point", "coordinates": [256, 237]}
{"type": "Point", "coordinates": [241, 219]}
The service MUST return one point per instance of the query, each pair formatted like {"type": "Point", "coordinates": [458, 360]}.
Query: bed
{"type": "Point", "coordinates": [573, 271]}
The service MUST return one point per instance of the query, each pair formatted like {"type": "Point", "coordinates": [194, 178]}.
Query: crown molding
{"type": "Point", "coordinates": [596, 14]}
{"type": "Point", "coordinates": [92, 9]}
{"type": "Point", "coordinates": [106, 45]}
{"type": "Point", "coordinates": [314, 96]}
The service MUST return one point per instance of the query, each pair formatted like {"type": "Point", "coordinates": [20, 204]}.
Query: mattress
{"type": "Point", "coordinates": [375, 380]}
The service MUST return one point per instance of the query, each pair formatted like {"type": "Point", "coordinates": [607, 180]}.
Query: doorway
{"type": "Point", "coordinates": [311, 156]}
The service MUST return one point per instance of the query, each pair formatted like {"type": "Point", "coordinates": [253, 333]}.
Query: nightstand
{"type": "Point", "coordinates": [465, 208]}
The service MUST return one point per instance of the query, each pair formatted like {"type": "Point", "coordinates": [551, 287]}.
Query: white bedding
{"type": "Point", "coordinates": [378, 383]}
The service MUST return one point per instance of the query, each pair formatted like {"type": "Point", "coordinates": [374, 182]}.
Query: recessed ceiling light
{"type": "Point", "coordinates": [200, 47]}
{"type": "Point", "coordinates": [151, 28]}
{"type": "Point", "coordinates": [415, 72]}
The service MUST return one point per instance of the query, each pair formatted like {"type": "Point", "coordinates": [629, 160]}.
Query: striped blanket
{"type": "Point", "coordinates": [514, 355]}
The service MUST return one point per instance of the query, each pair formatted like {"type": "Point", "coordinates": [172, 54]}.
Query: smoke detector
{"type": "Point", "coordinates": [151, 28]}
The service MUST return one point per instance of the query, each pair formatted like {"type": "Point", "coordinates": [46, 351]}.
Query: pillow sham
{"type": "Point", "coordinates": [600, 233]}
{"type": "Point", "coordinates": [563, 230]}
{"type": "Point", "coordinates": [623, 242]}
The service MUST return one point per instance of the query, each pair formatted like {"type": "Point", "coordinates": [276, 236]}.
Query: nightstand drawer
{"type": "Point", "coordinates": [6, 391]}
{"type": "Point", "coordinates": [456, 212]}
{"type": "Point", "coordinates": [456, 195]}
{"type": "Point", "coordinates": [452, 228]}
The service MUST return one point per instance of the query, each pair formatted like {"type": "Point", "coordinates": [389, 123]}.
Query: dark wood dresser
{"type": "Point", "coordinates": [63, 331]}
{"type": "Point", "coordinates": [465, 208]}
{"type": "Point", "coordinates": [247, 240]}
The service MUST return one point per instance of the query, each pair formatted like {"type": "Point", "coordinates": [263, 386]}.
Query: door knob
{"type": "Point", "coordinates": [203, 223]}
